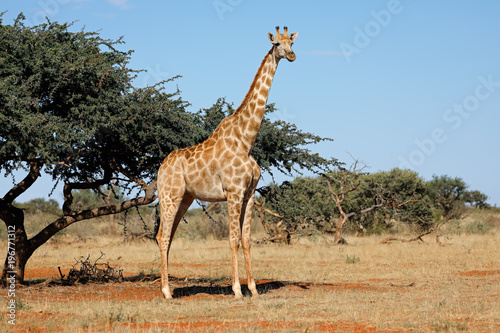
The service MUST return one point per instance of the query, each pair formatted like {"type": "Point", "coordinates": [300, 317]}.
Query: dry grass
{"type": "Point", "coordinates": [311, 285]}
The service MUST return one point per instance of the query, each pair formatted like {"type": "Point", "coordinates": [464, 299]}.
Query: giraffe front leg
{"type": "Point", "coordinates": [245, 244]}
{"type": "Point", "coordinates": [163, 239]}
{"type": "Point", "coordinates": [234, 210]}
{"type": "Point", "coordinates": [163, 245]}
{"type": "Point", "coordinates": [166, 230]}
{"type": "Point", "coordinates": [165, 289]}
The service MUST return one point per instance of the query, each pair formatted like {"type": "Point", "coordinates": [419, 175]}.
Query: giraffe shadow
{"type": "Point", "coordinates": [263, 287]}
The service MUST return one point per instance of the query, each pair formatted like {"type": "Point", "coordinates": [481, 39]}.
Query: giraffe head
{"type": "Point", "coordinates": [282, 44]}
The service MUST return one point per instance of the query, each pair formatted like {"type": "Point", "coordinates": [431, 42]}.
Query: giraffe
{"type": "Point", "coordinates": [221, 168]}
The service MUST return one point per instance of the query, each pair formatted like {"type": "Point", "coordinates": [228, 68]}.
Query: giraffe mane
{"type": "Point", "coordinates": [254, 82]}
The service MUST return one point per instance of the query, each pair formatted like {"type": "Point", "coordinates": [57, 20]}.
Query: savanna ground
{"type": "Point", "coordinates": [309, 286]}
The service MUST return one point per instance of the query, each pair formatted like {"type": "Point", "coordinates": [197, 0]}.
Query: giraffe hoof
{"type": "Point", "coordinates": [238, 297]}
{"type": "Point", "coordinates": [166, 294]}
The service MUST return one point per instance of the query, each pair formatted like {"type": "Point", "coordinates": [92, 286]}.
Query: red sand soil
{"type": "Point", "coordinates": [221, 326]}
{"type": "Point", "coordinates": [148, 291]}
{"type": "Point", "coordinates": [125, 291]}
{"type": "Point", "coordinates": [42, 272]}
{"type": "Point", "coordinates": [479, 273]}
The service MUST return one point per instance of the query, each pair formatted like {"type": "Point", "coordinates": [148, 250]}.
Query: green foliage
{"type": "Point", "coordinates": [477, 228]}
{"type": "Point", "coordinates": [476, 199]}
{"type": "Point", "coordinates": [308, 203]}
{"type": "Point", "coordinates": [447, 195]}
{"type": "Point", "coordinates": [404, 199]}
{"type": "Point", "coordinates": [352, 260]}
{"type": "Point", "coordinates": [66, 100]}
{"type": "Point", "coordinates": [401, 195]}
{"type": "Point", "coordinates": [303, 203]}
{"type": "Point", "coordinates": [407, 196]}
{"type": "Point", "coordinates": [68, 108]}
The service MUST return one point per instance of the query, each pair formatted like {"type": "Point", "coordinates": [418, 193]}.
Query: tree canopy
{"type": "Point", "coordinates": [67, 103]}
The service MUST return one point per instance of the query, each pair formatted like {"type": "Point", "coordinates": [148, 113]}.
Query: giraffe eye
{"type": "Point", "coordinates": [277, 44]}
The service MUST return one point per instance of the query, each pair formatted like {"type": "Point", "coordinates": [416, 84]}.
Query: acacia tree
{"type": "Point", "coordinates": [356, 194]}
{"type": "Point", "coordinates": [68, 108]}
{"type": "Point", "coordinates": [476, 199]}
{"type": "Point", "coordinates": [448, 196]}
{"type": "Point", "coordinates": [341, 184]}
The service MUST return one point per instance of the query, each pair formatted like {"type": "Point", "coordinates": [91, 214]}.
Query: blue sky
{"type": "Point", "coordinates": [412, 84]}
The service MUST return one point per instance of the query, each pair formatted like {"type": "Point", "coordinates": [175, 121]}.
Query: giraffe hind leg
{"type": "Point", "coordinates": [234, 206]}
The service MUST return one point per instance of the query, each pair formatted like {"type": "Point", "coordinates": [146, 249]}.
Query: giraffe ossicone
{"type": "Point", "coordinates": [221, 168]}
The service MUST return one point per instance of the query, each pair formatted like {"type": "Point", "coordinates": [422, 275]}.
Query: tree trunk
{"type": "Point", "coordinates": [338, 229]}
{"type": "Point", "coordinates": [19, 248]}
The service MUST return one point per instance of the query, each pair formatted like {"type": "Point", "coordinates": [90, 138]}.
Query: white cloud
{"type": "Point", "coordinates": [122, 4]}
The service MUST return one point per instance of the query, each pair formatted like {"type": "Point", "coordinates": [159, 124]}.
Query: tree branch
{"type": "Point", "coordinates": [72, 217]}
{"type": "Point", "coordinates": [260, 206]}
{"type": "Point", "coordinates": [22, 186]}
{"type": "Point", "coordinates": [419, 237]}
{"type": "Point", "coordinates": [69, 187]}
{"type": "Point", "coordinates": [127, 174]}
{"type": "Point", "coordinates": [366, 210]}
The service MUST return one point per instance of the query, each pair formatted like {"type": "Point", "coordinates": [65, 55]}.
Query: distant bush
{"type": "Point", "coordinates": [307, 204]}
{"type": "Point", "coordinates": [476, 221]}
{"type": "Point", "coordinates": [40, 205]}
{"type": "Point", "coordinates": [477, 228]}
{"type": "Point", "coordinates": [197, 225]}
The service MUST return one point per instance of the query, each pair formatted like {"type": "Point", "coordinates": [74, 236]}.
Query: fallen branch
{"type": "Point", "coordinates": [417, 238]}
{"type": "Point", "coordinates": [48, 282]}
{"type": "Point", "coordinates": [84, 271]}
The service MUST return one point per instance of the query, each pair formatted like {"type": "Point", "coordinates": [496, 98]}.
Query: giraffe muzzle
{"type": "Point", "coordinates": [290, 56]}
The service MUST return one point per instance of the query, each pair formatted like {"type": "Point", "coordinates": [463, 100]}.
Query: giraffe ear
{"type": "Point", "coordinates": [293, 36]}
{"type": "Point", "coordinates": [271, 37]}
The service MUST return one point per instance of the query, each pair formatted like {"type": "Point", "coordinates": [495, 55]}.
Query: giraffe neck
{"type": "Point", "coordinates": [250, 113]}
